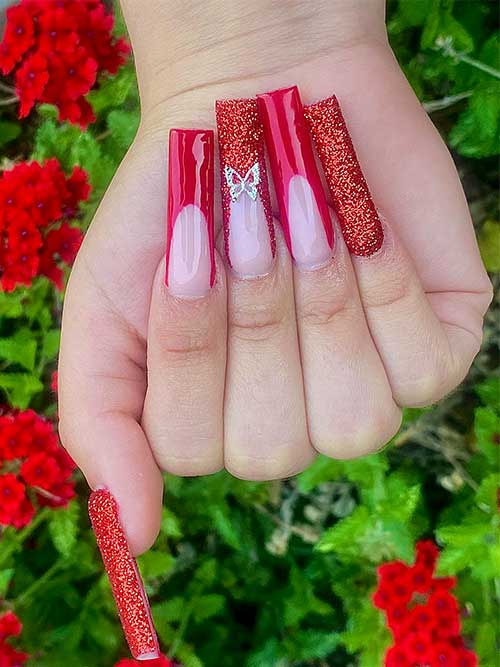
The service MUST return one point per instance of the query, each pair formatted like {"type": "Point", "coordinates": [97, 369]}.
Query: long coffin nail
{"type": "Point", "coordinates": [303, 209]}
{"type": "Point", "coordinates": [246, 206]}
{"type": "Point", "coordinates": [351, 197]}
{"type": "Point", "coordinates": [190, 271]}
{"type": "Point", "coordinates": [126, 583]}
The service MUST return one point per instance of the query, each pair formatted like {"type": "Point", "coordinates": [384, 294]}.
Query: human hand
{"type": "Point", "coordinates": [260, 374]}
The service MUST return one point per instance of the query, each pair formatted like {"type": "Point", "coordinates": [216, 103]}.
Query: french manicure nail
{"type": "Point", "coordinates": [246, 206]}
{"type": "Point", "coordinates": [352, 200]}
{"type": "Point", "coordinates": [190, 262]}
{"type": "Point", "coordinates": [128, 590]}
{"type": "Point", "coordinates": [305, 218]}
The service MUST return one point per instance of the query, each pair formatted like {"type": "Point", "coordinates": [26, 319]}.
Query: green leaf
{"type": "Point", "coordinates": [170, 524]}
{"type": "Point", "coordinates": [63, 528]}
{"type": "Point", "coordinates": [19, 349]}
{"type": "Point", "coordinates": [207, 606]}
{"type": "Point", "coordinates": [5, 579]}
{"type": "Point", "coordinates": [8, 131]}
{"type": "Point", "coordinates": [112, 91]}
{"type": "Point", "coordinates": [477, 131]}
{"type": "Point", "coordinates": [20, 388]}
{"type": "Point", "coordinates": [50, 344]}
{"type": "Point", "coordinates": [322, 470]}
{"type": "Point", "coordinates": [489, 392]}
{"type": "Point", "coordinates": [169, 610]}
{"type": "Point", "coordinates": [487, 430]}
{"type": "Point", "coordinates": [489, 245]}
{"type": "Point", "coordinates": [312, 644]}
{"type": "Point", "coordinates": [441, 26]}
{"type": "Point", "coordinates": [123, 126]}
{"type": "Point", "coordinates": [155, 564]}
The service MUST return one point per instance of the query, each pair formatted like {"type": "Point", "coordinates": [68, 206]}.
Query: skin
{"type": "Point", "coordinates": [261, 374]}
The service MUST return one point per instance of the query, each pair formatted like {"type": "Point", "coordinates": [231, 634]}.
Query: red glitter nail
{"type": "Point", "coordinates": [249, 238]}
{"type": "Point", "coordinates": [126, 583]}
{"type": "Point", "coordinates": [351, 197]}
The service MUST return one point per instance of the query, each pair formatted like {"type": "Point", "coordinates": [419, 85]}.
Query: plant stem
{"type": "Point", "coordinates": [38, 583]}
{"type": "Point", "coordinates": [8, 100]}
{"type": "Point", "coordinates": [445, 102]}
{"type": "Point", "coordinates": [448, 50]}
{"type": "Point", "coordinates": [6, 88]}
{"type": "Point", "coordinates": [23, 535]}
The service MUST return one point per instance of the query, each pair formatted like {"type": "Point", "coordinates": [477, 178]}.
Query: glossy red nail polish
{"type": "Point", "coordinates": [352, 200]}
{"type": "Point", "coordinates": [128, 590]}
{"type": "Point", "coordinates": [249, 238]}
{"type": "Point", "coordinates": [303, 209]}
{"type": "Point", "coordinates": [190, 262]}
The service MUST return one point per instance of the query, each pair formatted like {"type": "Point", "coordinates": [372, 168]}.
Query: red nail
{"type": "Point", "coordinates": [190, 216]}
{"type": "Point", "coordinates": [126, 583]}
{"type": "Point", "coordinates": [351, 197]}
{"type": "Point", "coordinates": [303, 209]}
{"type": "Point", "coordinates": [246, 206]}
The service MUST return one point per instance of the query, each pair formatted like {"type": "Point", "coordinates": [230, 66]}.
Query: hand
{"type": "Point", "coordinates": [261, 374]}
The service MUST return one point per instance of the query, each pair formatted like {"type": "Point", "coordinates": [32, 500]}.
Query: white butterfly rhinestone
{"type": "Point", "coordinates": [238, 185]}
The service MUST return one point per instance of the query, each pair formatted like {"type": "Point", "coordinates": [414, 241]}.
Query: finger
{"type": "Point", "coordinates": [265, 425]}
{"type": "Point", "coordinates": [421, 369]}
{"type": "Point", "coordinates": [183, 409]}
{"type": "Point", "coordinates": [343, 416]}
{"type": "Point", "coordinates": [350, 408]}
{"type": "Point", "coordinates": [423, 358]}
{"type": "Point", "coordinates": [101, 391]}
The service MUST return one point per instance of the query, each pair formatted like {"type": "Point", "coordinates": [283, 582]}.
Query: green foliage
{"type": "Point", "coordinates": [278, 574]}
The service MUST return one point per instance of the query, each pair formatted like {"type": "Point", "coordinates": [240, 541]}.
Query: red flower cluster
{"type": "Point", "coordinates": [159, 662]}
{"type": "Point", "coordinates": [60, 47]}
{"type": "Point", "coordinates": [36, 202]}
{"type": "Point", "coordinates": [10, 626]}
{"type": "Point", "coordinates": [33, 467]}
{"type": "Point", "coordinates": [422, 614]}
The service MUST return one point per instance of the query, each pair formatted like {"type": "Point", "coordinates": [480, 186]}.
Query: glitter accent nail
{"type": "Point", "coordinates": [352, 200]}
{"type": "Point", "coordinates": [304, 214]}
{"type": "Point", "coordinates": [249, 238]}
{"type": "Point", "coordinates": [126, 583]}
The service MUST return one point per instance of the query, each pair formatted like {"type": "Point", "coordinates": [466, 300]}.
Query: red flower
{"type": "Point", "coordinates": [12, 492]}
{"type": "Point", "coordinates": [443, 603]}
{"type": "Point", "coordinates": [10, 625]}
{"type": "Point", "coordinates": [444, 655]}
{"type": "Point", "coordinates": [64, 242]}
{"type": "Point", "coordinates": [44, 466]}
{"type": "Point", "coordinates": [419, 647]}
{"type": "Point", "coordinates": [72, 43]}
{"type": "Point", "coordinates": [9, 657]}
{"type": "Point", "coordinates": [40, 470]}
{"type": "Point", "coordinates": [397, 657]}
{"type": "Point", "coordinates": [31, 79]}
{"type": "Point", "coordinates": [19, 32]}
{"type": "Point", "coordinates": [32, 198]}
{"type": "Point", "coordinates": [421, 577]}
{"type": "Point", "coordinates": [57, 31]}
{"type": "Point", "coordinates": [467, 659]}
{"type": "Point", "coordinates": [427, 554]}
{"type": "Point", "coordinates": [54, 381]}
{"type": "Point", "coordinates": [23, 234]}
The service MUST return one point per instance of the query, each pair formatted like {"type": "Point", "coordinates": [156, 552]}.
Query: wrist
{"type": "Point", "coordinates": [180, 49]}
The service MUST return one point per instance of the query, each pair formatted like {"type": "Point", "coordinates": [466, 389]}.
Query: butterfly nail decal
{"type": "Point", "coordinates": [238, 185]}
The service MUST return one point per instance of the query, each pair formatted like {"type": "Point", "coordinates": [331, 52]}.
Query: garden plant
{"type": "Point", "coordinates": [393, 559]}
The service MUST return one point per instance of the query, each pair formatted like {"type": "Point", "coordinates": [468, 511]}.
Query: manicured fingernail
{"type": "Point", "coordinates": [248, 223]}
{"type": "Point", "coordinates": [190, 271]}
{"type": "Point", "coordinates": [126, 583]}
{"type": "Point", "coordinates": [351, 197]}
{"type": "Point", "coordinates": [303, 209]}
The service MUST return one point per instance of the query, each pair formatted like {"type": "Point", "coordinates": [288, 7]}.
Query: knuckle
{"type": "Point", "coordinates": [320, 312]}
{"type": "Point", "coordinates": [394, 285]}
{"type": "Point", "coordinates": [192, 466]}
{"type": "Point", "coordinates": [257, 322]}
{"type": "Point", "coordinates": [370, 435]}
{"type": "Point", "coordinates": [258, 469]}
